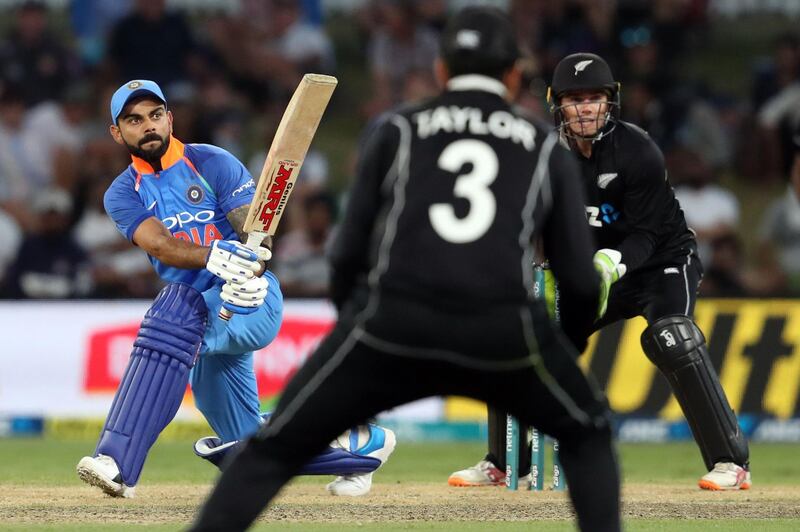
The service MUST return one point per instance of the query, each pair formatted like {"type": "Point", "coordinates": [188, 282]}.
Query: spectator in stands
{"type": "Point", "coordinates": [118, 268]}
{"type": "Point", "coordinates": [91, 22]}
{"type": "Point", "coordinates": [300, 258]}
{"type": "Point", "coordinates": [153, 43]}
{"type": "Point", "coordinates": [15, 182]}
{"type": "Point", "coordinates": [678, 120]}
{"type": "Point", "coordinates": [49, 264]}
{"type": "Point", "coordinates": [432, 14]}
{"type": "Point", "coordinates": [642, 59]}
{"type": "Point", "coordinates": [223, 116]}
{"type": "Point", "coordinates": [294, 47]}
{"type": "Point", "coordinates": [724, 275]}
{"type": "Point", "coordinates": [711, 210]}
{"type": "Point", "coordinates": [400, 45]}
{"type": "Point", "coordinates": [10, 240]}
{"type": "Point", "coordinates": [32, 56]}
{"type": "Point", "coordinates": [777, 120]}
{"type": "Point", "coordinates": [773, 75]}
{"type": "Point", "coordinates": [776, 102]}
{"type": "Point", "coordinates": [267, 46]}
{"type": "Point", "coordinates": [557, 28]}
{"type": "Point", "coordinates": [38, 148]}
{"type": "Point", "coordinates": [778, 250]}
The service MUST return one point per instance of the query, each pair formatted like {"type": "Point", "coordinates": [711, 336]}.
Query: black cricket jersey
{"type": "Point", "coordinates": [449, 195]}
{"type": "Point", "coordinates": [630, 205]}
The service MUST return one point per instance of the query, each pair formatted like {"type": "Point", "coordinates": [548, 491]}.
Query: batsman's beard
{"type": "Point", "coordinates": [153, 155]}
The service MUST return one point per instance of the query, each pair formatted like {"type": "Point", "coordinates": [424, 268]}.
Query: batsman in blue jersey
{"type": "Point", "coordinates": [185, 206]}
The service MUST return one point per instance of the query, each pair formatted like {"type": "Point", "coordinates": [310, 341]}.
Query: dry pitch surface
{"type": "Point", "coordinates": [400, 502]}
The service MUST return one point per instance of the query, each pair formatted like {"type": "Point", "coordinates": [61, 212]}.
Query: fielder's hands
{"type": "Point", "coordinates": [608, 264]}
{"type": "Point", "coordinates": [246, 297]}
{"type": "Point", "coordinates": [231, 261]}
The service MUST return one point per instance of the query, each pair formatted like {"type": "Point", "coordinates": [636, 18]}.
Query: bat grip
{"type": "Point", "coordinates": [224, 314]}
{"type": "Point", "coordinates": [254, 240]}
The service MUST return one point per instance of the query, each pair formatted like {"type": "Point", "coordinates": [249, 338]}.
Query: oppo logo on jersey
{"type": "Point", "coordinates": [192, 234]}
{"type": "Point", "coordinates": [184, 218]}
{"type": "Point", "coordinates": [452, 119]}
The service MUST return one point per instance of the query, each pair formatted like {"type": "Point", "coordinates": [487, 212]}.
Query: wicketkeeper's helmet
{"type": "Point", "coordinates": [579, 72]}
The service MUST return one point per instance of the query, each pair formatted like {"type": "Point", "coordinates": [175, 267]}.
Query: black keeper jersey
{"type": "Point", "coordinates": [630, 205]}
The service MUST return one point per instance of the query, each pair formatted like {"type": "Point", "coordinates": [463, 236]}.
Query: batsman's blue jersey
{"type": "Point", "coordinates": [197, 186]}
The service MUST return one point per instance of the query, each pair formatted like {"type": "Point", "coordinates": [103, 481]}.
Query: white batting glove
{"type": "Point", "coordinates": [231, 261]}
{"type": "Point", "coordinates": [246, 297]}
{"type": "Point", "coordinates": [264, 254]}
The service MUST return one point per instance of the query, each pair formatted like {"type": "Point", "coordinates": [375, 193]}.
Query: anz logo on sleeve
{"type": "Point", "coordinates": [604, 214]}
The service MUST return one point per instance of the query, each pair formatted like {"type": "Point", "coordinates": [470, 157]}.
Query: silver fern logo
{"type": "Point", "coordinates": [580, 66]}
{"type": "Point", "coordinates": [604, 179]}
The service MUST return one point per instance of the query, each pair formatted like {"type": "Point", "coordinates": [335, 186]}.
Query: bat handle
{"type": "Point", "coordinates": [254, 240]}
{"type": "Point", "coordinates": [224, 314]}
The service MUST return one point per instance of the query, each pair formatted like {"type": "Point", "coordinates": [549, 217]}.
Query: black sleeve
{"type": "Point", "coordinates": [350, 251]}
{"type": "Point", "coordinates": [796, 139]}
{"type": "Point", "coordinates": [646, 196]}
{"type": "Point", "coordinates": [569, 247]}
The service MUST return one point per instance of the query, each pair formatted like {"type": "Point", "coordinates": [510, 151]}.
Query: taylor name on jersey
{"type": "Point", "coordinates": [454, 119]}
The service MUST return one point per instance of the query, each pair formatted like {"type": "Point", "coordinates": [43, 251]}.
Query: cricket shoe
{"type": "Point", "coordinates": [364, 442]}
{"type": "Point", "coordinates": [351, 485]}
{"type": "Point", "coordinates": [102, 471]}
{"type": "Point", "coordinates": [484, 473]}
{"type": "Point", "coordinates": [726, 476]}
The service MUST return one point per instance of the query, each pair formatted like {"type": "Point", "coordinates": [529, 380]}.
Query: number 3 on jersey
{"type": "Point", "coordinates": [472, 186]}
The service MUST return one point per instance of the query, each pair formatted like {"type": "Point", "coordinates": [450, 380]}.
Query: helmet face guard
{"type": "Point", "coordinates": [579, 128]}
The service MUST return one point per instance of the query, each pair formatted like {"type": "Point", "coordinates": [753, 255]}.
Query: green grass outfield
{"type": "Point", "coordinates": [37, 464]}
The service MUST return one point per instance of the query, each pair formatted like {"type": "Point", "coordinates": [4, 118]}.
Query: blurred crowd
{"type": "Point", "coordinates": [227, 74]}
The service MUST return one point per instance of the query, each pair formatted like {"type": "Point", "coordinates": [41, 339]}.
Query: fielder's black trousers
{"type": "Point", "coordinates": [399, 350]}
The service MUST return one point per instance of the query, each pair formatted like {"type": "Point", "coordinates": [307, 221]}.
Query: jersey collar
{"type": "Point", "coordinates": [173, 155]}
{"type": "Point", "coordinates": [477, 82]}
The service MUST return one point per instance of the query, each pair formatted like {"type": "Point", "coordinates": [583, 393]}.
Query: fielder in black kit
{"type": "Point", "coordinates": [433, 282]}
{"type": "Point", "coordinates": [647, 258]}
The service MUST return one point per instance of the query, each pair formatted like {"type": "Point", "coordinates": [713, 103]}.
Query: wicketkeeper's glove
{"type": "Point", "coordinates": [608, 264]}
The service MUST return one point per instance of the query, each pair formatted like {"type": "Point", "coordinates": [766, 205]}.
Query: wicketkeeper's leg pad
{"type": "Point", "coordinates": [155, 380]}
{"type": "Point", "coordinates": [360, 450]}
{"type": "Point", "coordinates": [677, 347]}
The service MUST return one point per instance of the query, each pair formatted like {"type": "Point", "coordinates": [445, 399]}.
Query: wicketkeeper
{"type": "Point", "coordinates": [647, 258]}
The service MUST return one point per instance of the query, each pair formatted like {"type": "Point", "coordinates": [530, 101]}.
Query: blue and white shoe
{"type": "Point", "coordinates": [360, 450]}
{"type": "Point", "coordinates": [366, 442]}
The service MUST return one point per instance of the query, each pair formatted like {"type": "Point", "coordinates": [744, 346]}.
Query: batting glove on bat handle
{"type": "Point", "coordinates": [232, 262]}
{"type": "Point", "coordinates": [608, 263]}
{"type": "Point", "coordinates": [230, 304]}
{"type": "Point", "coordinates": [243, 298]}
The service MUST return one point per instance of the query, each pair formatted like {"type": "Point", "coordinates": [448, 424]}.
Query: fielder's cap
{"type": "Point", "coordinates": [479, 39]}
{"type": "Point", "coordinates": [582, 72]}
{"type": "Point", "coordinates": [133, 89]}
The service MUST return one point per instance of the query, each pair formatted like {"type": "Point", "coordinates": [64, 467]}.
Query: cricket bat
{"type": "Point", "coordinates": [284, 159]}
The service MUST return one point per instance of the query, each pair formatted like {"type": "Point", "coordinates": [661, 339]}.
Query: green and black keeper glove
{"type": "Point", "coordinates": [608, 264]}
{"type": "Point", "coordinates": [551, 294]}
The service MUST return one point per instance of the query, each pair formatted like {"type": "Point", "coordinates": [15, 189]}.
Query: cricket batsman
{"type": "Point", "coordinates": [185, 206]}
